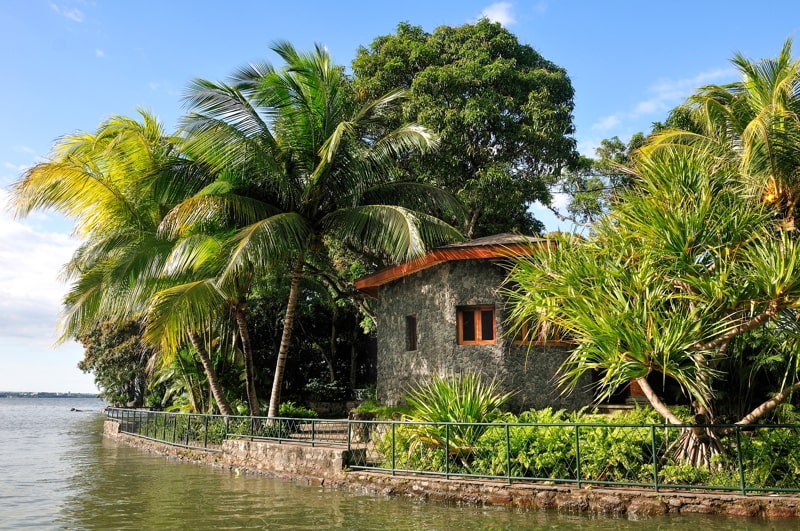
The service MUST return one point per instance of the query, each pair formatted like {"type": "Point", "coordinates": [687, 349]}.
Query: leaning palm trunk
{"type": "Point", "coordinates": [697, 445]}
{"type": "Point", "coordinates": [283, 351]}
{"type": "Point", "coordinates": [213, 381]}
{"type": "Point", "coordinates": [247, 353]}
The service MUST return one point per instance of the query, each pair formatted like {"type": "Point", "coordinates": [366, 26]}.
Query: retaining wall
{"type": "Point", "coordinates": [326, 466]}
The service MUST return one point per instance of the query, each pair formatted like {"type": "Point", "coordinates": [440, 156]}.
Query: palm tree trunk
{"type": "Point", "coordinates": [211, 374]}
{"type": "Point", "coordinates": [696, 445]}
{"type": "Point", "coordinates": [288, 324]}
{"type": "Point", "coordinates": [249, 370]}
{"type": "Point", "coordinates": [353, 357]}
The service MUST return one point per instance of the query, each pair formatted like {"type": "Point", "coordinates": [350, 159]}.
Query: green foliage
{"type": "Point", "coordinates": [685, 267]}
{"type": "Point", "coordinates": [293, 411]}
{"type": "Point", "coordinates": [503, 112]}
{"type": "Point", "coordinates": [320, 390]}
{"type": "Point", "coordinates": [461, 399]}
{"type": "Point", "coordinates": [593, 185]}
{"type": "Point", "coordinates": [383, 412]}
{"type": "Point", "coordinates": [543, 445]}
{"type": "Point", "coordinates": [118, 358]}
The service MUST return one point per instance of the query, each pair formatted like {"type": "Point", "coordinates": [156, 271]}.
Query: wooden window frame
{"type": "Point", "coordinates": [554, 339]}
{"type": "Point", "coordinates": [411, 333]}
{"type": "Point", "coordinates": [476, 311]}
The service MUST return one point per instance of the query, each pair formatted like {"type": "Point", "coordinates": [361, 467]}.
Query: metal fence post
{"type": "Point", "coordinates": [655, 457]}
{"type": "Point", "coordinates": [447, 451]}
{"type": "Point", "coordinates": [394, 462]}
{"type": "Point", "coordinates": [205, 431]}
{"type": "Point", "coordinates": [578, 454]}
{"type": "Point", "coordinates": [508, 454]}
{"type": "Point", "coordinates": [313, 432]}
{"type": "Point", "coordinates": [188, 428]}
{"type": "Point", "coordinates": [742, 484]}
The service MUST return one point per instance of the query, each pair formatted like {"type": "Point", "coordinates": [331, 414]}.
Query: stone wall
{"type": "Point", "coordinates": [620, 502]}
{"type": "Point", "coordinates": [324, 466]}
{"type": "Point", "coordinates": [316, 465]}
{"type": "Point", "coordinates": [433, 295]}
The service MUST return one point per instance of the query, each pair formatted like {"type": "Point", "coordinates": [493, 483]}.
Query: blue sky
{"type": "Point", "coordinates": [69, 64]}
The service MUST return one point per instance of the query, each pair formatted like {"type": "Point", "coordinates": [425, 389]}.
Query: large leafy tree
{"type": "Point", "coordinates": [594, 184]}
{"type": "Point", "coordinates": [118, 358]}
{"type": "Point", "coordinates": [299, 166]}
{"type": "Point", "coordinates": [680, 279]}
{"type": "Point", "coordinates": [504, 114]}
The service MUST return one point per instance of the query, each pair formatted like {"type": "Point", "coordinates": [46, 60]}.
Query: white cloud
{"type": "Point", "coordinates": [16, 168]}
{"type": "Point", "coordinates": [74, 14]}
{"type": "Point", "coordinates": [666, 94]}
{"type": "Point", "coordinates": [24, 149]}
{"type": "Point", "coordinates": [560, 201]}
{"type": "Point", "coordinates": [30, 261]}
{"type": "Point", "coordinates": [501, 12]}
{"type": "Point", "coordinates": [609, 122]}
{"type": "Point", "coordinates": [99, 53]}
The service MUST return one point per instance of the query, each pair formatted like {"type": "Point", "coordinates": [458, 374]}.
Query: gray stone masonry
{"type": "Point", "coordinates": [433, 296]}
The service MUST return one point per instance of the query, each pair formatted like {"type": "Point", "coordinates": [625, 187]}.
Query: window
{"type": "Point", "coordinates": [546, 335]}
{"type": "Point", "coordinates": [476, 325]}
{"type": "Point", "coordinates": [411, 332]}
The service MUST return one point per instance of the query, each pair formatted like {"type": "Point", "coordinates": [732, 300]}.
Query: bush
{"type": "Point", "coordinates": [322, 391]}
{"type": "Point", "coordinates": [293, 411]}
{"type": "Point", "coordinates": [462, 399]}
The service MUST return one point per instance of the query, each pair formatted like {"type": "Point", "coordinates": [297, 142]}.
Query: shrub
{"type": "Point", "coordinates": [323, 391]}
{"type": "Point", "coordinates": [464, 399]}
{"type": "Point", "coordinates": [293, 411]}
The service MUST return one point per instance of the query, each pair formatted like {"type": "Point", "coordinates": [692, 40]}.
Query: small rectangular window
{"type": "Point", "coordinates": [411, 332]}
{"type": "Point", "coordinates": [545, 335]}
{"type": "Point", "coordinates": [476, 325]}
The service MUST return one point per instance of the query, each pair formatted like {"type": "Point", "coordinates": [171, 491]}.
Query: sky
{"type": "Point", "coordinates": [67, 65]}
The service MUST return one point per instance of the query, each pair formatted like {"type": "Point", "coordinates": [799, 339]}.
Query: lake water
{"type": "Point", "coordinates": [57, 472]}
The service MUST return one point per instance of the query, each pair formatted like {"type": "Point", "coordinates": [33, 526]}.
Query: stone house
{"type": "Point", "coordinates": [445, 313]}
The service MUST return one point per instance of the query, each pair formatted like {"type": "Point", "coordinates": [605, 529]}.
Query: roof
{"type": "Point", "coordinates": [497, 246]}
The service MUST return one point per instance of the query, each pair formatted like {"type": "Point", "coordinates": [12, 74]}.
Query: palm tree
{"type": "Point", "coordinates": [117, 184]}
{"type": "Point", "coordinates": [753, 124]}
{"type": "Point", "coordinates": [297, 168]}
{"type": "Point", "coordinates": [685, 269]}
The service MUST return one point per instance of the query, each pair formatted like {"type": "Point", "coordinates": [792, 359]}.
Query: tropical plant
{"type": "Point", "coordinates": [464, 403]}
{"type": "Point", "coordinates": [117, 184]}
{"type": "Point", "coordinates": [684, 270]}
{"type": "Point", "coordinates": [753, 125]}
{"type": "Point", "coordinates": [296, 168]}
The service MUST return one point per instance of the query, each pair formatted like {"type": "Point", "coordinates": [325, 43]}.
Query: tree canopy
{"type": "Point", "coordinates": [503, 112]}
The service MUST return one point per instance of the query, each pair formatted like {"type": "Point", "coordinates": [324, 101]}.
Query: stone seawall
{"type": "Point", "coordinates": [327, 466]}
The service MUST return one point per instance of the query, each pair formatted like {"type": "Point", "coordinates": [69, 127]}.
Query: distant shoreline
{"type": "Point", "coordinates": [21, 394]}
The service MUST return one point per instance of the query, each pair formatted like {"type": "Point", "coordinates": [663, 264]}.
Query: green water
{"type": "Point", "coordinates": [57, 472]}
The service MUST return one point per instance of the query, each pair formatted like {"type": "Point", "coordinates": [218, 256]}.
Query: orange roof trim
{"type": "Point", "coordinates": [466, 251]}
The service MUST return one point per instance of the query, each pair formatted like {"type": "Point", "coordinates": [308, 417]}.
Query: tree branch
{"type": "Point", "coordinates": [571, 219]}
{"type": "Point", "coordinates": [755, 322]}
{"type": "Point", "coordinates": [769, 405]}
{"type": "Point", "coordinates": [656, 402]}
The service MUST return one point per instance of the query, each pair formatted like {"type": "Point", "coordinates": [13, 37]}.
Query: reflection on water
{"type": "Point", "coordinates": [59, 473]}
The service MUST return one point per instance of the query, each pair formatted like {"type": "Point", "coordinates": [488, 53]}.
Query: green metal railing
{"type": "Point", "coordinates": [749, 459]}
{"type": "Point", "coordinates": [208, 432]}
